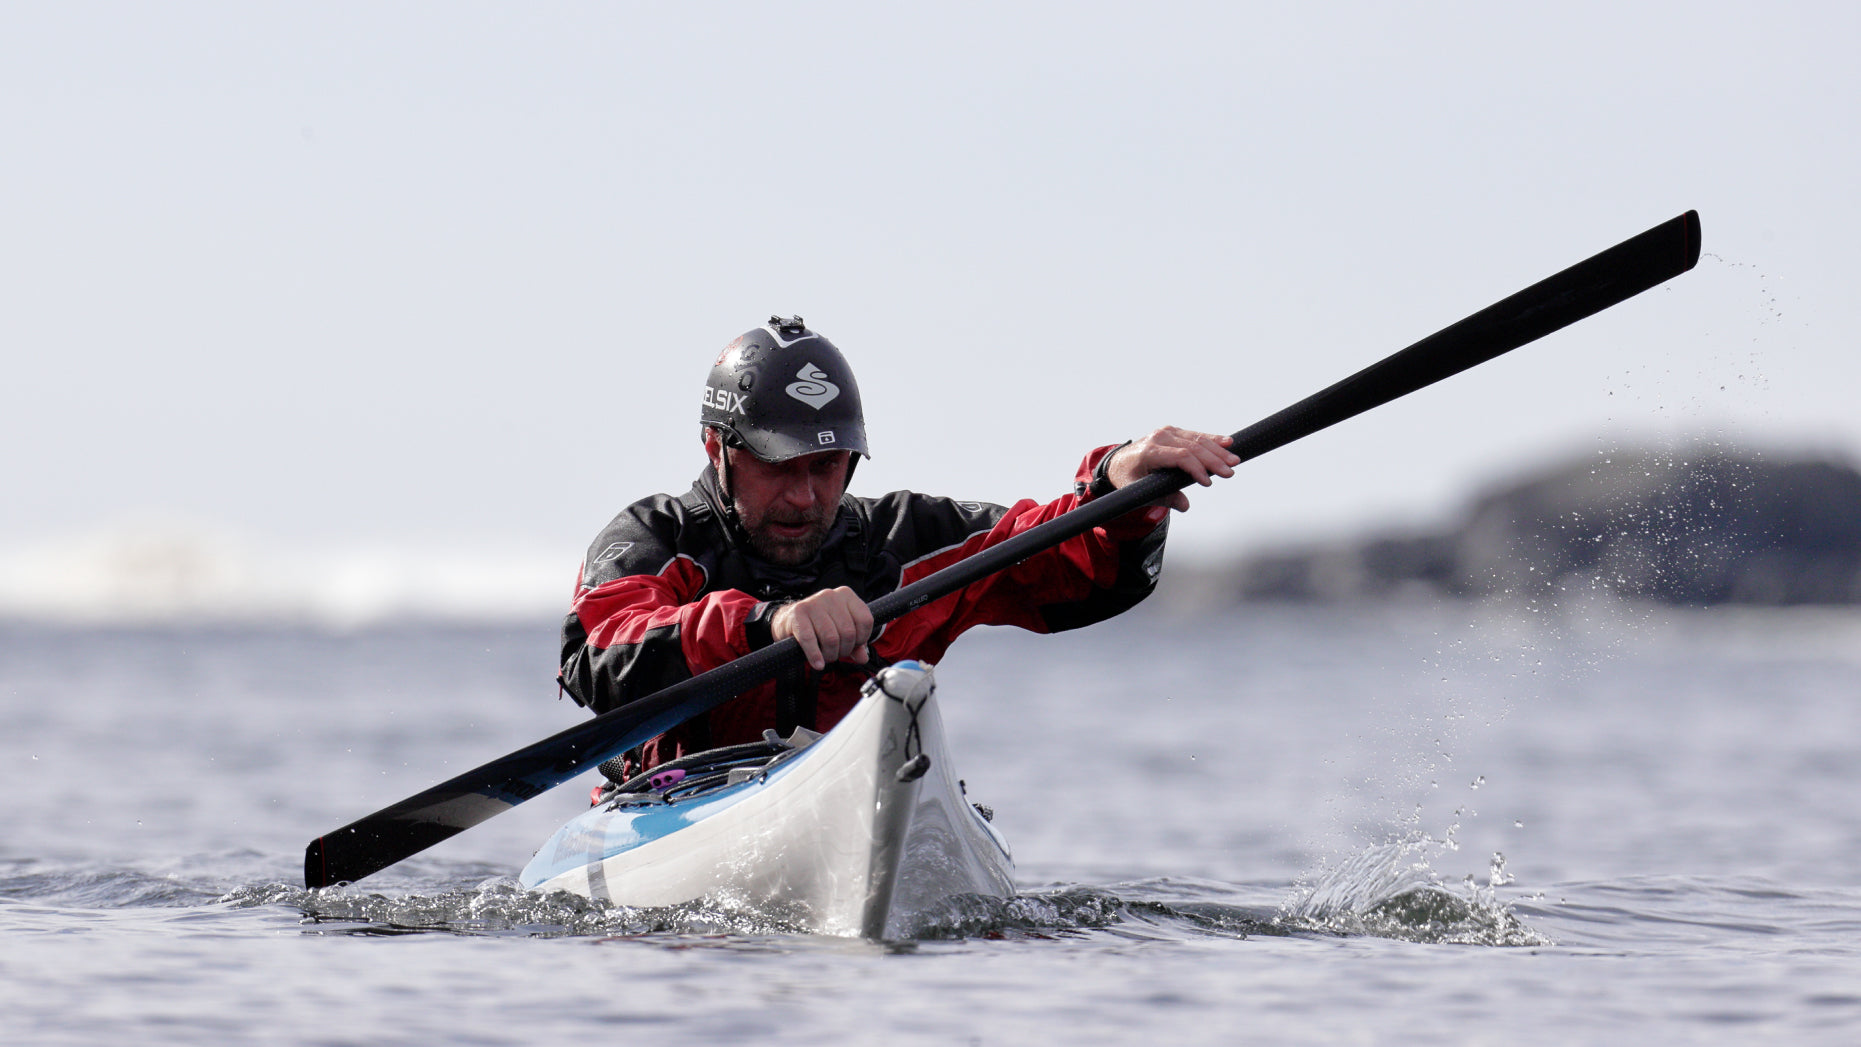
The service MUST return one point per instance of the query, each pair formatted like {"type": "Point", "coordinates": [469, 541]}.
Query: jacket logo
{"type": "Point", "coordinates": [613, 552]}
{"type": "Point", "coordinates": [814, 389]}
{"type": "Point", "coordinates": [725, 400]}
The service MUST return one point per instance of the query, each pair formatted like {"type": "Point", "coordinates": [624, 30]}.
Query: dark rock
{"type": "Point", "coordinates": [1697, 527]}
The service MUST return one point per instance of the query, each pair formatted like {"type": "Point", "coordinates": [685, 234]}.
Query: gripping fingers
{"type": "Point", "coordinates": [831, 626]}
{"type": "Point", "coordinates": [1205, 456]}
{"type": "Point", "coordinates": [852, 623]}
{"type": "Point", "coordinates": [803, 631]}
{"type": "Point", "coordinates": [861, 623]}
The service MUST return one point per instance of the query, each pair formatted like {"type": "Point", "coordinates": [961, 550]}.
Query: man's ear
{"type": "Point", "coordinates": [714, 448]}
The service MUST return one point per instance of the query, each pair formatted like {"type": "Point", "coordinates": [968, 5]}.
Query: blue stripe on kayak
{"type": "Point", "coordinates": [598, 833]}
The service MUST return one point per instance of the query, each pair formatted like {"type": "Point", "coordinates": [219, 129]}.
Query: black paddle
{"type": "Point", "coordinates": [418, 822]}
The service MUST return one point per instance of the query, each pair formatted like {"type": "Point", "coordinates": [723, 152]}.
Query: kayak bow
{"type": "Point", "coordinates": [850, 833]}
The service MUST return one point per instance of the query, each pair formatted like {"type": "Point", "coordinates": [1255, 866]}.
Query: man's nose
{"type": "Point", "coordinates": [799, 492]}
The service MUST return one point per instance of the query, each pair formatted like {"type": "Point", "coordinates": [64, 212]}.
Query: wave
{"type": "Point", "coordinates": [1383, 892]}
{"type": "Point", "coordinates": [1391, 891]}
{"type": "Point", "coordinates": [1164, 909]}
{"type": "Point", "coordinates": [1128, 911]}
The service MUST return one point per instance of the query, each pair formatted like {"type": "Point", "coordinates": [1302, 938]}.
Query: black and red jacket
{"type": "Point", "coordinates": [670, 588]}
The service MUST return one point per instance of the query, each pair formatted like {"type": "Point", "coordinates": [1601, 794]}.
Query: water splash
{"type": "Point", "coordinates": [1066, 911]}
{"type": "Point", "coordinates": [1391, 891]}
{"type": "Point", "coordinates": [1382, 892]}
{"type": "Point", "coordinates": [1153, 910]}
{"type": "Point", "coordinates": [501, 906]}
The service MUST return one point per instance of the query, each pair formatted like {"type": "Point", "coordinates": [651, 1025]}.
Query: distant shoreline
{"type": "Point", "coordinates": [1692, 527]}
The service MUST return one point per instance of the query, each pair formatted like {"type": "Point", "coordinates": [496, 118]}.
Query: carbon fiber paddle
{"type": "Point", "coordinates": [392, 834]}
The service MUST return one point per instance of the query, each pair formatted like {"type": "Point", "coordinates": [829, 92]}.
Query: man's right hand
{"type": "Point", "coordinates": [832, 625]}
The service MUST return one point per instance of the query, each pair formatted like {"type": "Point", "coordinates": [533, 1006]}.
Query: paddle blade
{"type": "Point", "coordinates": [392, 834]}
{"type": "Point", "coordinates": [371, 844]}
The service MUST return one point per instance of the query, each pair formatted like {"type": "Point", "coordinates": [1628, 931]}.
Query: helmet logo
{"type": "Point", "coordinates": [814, 389]}
{"type": "Point", "coordinates": [723, 400]}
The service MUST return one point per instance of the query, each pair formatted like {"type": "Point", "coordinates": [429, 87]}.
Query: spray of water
{"type": "Point", "coordinates": [1392, 891]}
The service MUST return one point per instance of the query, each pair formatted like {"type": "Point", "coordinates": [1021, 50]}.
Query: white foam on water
{"type": "Point", "coordinates": [1392, 891]}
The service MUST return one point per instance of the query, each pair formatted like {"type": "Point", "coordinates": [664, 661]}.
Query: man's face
{"type": "Point", "coordinates": [787, 508]}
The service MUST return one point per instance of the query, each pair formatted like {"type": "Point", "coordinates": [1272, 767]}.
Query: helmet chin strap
{"type": "Point", "coordinates": [731, 521]}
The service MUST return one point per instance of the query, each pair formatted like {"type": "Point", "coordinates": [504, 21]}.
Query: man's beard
{"type": "Point", "coordinates": [783, 549]}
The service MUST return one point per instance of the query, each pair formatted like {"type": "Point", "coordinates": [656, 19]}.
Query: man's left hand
{"type": "Point", "coordinates": [1203, 456]}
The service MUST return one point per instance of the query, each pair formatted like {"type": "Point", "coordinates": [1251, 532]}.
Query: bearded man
{"type": "Point", "coordinates": [769, 545]}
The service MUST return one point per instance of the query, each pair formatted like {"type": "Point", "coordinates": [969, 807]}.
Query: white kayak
{"type": "Point", "coordinates": [849, 833]}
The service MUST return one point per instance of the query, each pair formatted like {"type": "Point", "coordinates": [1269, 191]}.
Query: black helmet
{"type": "Point", "coordinates": [782, 391]}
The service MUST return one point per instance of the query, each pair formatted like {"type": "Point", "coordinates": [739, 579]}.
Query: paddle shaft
{"type": "Point", "coordinates": [392, 834]}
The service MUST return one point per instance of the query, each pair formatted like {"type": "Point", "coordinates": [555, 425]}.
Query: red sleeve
{"type": "Point", "coordinates": [709, 628]}
{"type": "Point", "coordinates": [633, 635]}
{"type": "Point", "coordinates": [1089, 569]}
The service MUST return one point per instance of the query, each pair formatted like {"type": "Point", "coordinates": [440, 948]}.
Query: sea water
{"type": "Point", "coordinates": [1445, 823]}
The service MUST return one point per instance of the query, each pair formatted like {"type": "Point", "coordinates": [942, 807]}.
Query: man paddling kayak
{"type": "Point", "coordinates": [768, 545]}
{"type": "Point", "coordinates": [375, 841]}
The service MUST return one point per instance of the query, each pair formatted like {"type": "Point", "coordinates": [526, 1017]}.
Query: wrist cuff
{"type": "Point", "coordinates": [1101, 474]}
{"type": "Point", "coordinates": [756, 627]}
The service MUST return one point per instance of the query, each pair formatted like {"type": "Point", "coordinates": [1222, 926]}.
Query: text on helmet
{"type": "Point", "coordinates": [723, 400]}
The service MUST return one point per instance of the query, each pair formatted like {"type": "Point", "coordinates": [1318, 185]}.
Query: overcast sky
{"type": "Point", "coordinates": [441, 282]}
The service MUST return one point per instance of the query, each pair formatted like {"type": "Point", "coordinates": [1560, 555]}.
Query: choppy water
{"type": "Point", "coordinates": [1277, 825]}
